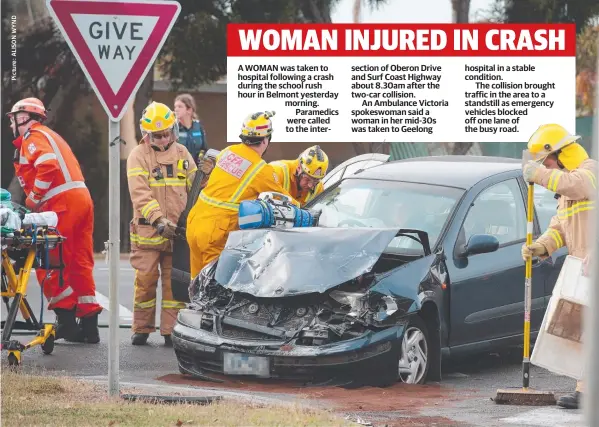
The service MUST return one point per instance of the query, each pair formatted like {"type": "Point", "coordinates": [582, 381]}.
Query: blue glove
{"type": "Point", "coordinates": [530, 170]}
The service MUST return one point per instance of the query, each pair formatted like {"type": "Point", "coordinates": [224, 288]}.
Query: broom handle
{"type": "Point", "coordinates": [527, 289]}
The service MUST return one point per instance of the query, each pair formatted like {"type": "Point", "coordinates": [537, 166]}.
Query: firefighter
{"type": "Point", "coordinates": [51, 178]}
{"type": "Point", "coordinates": [240, 174]}
{"type": "Point", "coordinates": [562, 165]}
{"type": "Point", "coordinates": [302, 177]}
{"type": "Point", "coordinates": [160, 172]}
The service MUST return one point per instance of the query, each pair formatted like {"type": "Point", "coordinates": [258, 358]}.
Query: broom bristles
{"type": "Point", "coordinates": [525, 397]}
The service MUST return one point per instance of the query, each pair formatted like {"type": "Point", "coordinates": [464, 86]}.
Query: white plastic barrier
{"type": "Point", "coordinates": [559, 345]}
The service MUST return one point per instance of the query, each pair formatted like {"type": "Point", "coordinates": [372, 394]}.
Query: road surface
{"type": "Point", "coordinates": [464, 397]}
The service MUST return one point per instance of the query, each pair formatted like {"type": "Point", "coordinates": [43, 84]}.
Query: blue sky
{"type": "Point", "coordinates": [408, 11]}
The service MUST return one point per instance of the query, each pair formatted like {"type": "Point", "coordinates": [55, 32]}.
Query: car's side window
{"type": "Point", "coordinates": [498, 211]}
{"type": "Point", "coordinates": [545, 205]}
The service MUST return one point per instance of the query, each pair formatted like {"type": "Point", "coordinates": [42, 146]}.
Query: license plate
{"type": "Point", "coordinates": [243, 364]}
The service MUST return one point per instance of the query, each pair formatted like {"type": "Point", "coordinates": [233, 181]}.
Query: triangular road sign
{"type": "Point", "coordinates": [115, 42]}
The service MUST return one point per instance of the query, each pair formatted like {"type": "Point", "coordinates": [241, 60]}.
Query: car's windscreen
{"type": "Point", "coordinates": [388, 204]}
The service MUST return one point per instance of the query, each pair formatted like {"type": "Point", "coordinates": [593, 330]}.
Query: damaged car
{"type": "Point", "coordinates": [412, 261]}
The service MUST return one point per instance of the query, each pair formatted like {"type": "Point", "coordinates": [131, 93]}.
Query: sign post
{"type": "Point", "coordinates": [116, 44]}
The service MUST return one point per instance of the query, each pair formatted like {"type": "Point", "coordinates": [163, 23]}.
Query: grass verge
{"type": "Point", "coordinates": [40, 400]}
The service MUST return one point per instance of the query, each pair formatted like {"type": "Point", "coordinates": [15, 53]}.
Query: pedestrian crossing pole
{"type": "Point", "coordinates": [590, 393]}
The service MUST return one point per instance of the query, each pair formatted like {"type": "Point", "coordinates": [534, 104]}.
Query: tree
{"type": "Point", "coordinates": [586, 67]}
{"type": "Point", "coordinates": [584, 14]}
{"type": "Point", "coordinates": [579, 12]}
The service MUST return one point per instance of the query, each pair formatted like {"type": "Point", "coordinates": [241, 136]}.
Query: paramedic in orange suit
{"type": "Point", "coordinates": [240, 174]}
{"type": "Point", "coordinates": [51, 178]}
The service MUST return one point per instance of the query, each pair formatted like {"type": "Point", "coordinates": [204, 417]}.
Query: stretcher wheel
{"type": "Point", "coordinates": [48, 346]}
{"type": "Point", "coordinates": [13, 360]}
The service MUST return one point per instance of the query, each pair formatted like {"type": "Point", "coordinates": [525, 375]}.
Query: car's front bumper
{"type": "Point", "coordinates": [200, 352]}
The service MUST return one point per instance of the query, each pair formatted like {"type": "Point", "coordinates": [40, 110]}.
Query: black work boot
{"type": "Point", "coordinates": [139, 338]}
{"type": "Point", "coordinates": [66, 325]}
{"type": "Point", "coordinates": [570, 401]}
{"type": "Point", "coordinates": [89, 329]}
{"type": "Point", "coordinates": [168, 342]}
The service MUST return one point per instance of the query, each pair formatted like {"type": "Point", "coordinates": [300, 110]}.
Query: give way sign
{"type": "Point", "coordinates": [115, 42]}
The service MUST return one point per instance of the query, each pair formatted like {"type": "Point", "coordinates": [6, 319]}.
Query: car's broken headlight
{"type": "Point", "coordinates": [387, 307]}
{"type": "Point", "coordinates": [380, 306]}
{"type": "Point", "coordinates": [355, 300]}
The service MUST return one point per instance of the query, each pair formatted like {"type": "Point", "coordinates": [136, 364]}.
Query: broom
{"type": "Point", "coordinates": [525, 395]}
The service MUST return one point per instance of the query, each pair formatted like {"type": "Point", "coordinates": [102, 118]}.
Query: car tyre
{"type": "Point", "coordinates": [415, 355]}
{"type": "Point", "coordinates": [389, 372]}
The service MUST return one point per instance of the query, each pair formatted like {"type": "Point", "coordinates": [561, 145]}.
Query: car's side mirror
{"type": "Point", "coordinates": [479, 244]}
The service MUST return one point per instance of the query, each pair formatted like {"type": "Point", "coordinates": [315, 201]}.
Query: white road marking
{"type": "Point", "coordinates": [548, 417]}
{"type": "Point", "coordinates": [124, 312]}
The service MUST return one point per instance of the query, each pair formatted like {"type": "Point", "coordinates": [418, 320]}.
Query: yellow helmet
{"type": "Point", "coordinates": [157, 117]}
{"type": "Point", "coordinates": [314, 162]}
{"type": "Point", "coordinates": [548, 139]}
{"type": "Point", "coordinates": [256, 127]}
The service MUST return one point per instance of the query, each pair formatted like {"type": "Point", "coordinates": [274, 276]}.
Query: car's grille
{"type": "Point", "coordinates": [229, 331]}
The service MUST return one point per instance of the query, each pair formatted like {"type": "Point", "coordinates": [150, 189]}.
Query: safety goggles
{"type": "Point", "coordinates": [311, 180]}
{"type": "Point", "coordinates": [161, 135]}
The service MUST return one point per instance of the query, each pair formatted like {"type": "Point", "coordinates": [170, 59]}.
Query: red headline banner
{"type": "Point", "coordinates": [401, 40]}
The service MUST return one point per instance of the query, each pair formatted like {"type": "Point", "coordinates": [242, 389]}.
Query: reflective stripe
{"type": "Point", "coordinates": [286, 182]}
{"type": "Point", "coordinates": [232, 204]}
{"type": "Point", "coordinates": [152, 204]}
{"type": "Point", "coordinates": [173, 304]}
{"type": "Point", "coordinates": [575, 209]}
{"type": "Point", "coordinates": [557, 238]}
{"type": "Point", "coordinates": [218, 203]}
{"type": "Point", "coordinates": [44, 158]}
{"type": "Point", "coordinates": [591, 177]}
{"type": "Point", "coordinates": [167, 182]}
{"type": "Point", "coordinates": [41, 184]}
{"type": "Point", "coordinates": [67, 291]}
{"type": "Point", "coordinates": [249, 219]}
{"type": "Point", "coordinates": [137, 172]}
{"type": "Point", "coordinates": [87, 300]}
{"type": "Point", "coordinates": [33, 197]}
{"type": "Point", "coordinates": [61, 162]}
{"type": "Point", "coordinates": [62, 188]}
{"type": "Point", "coordinates": [145, 304]}
{"type": "Point", "coordinates": [553, 180]}
{"type": "Point", "coordinates": [247, 181]}
{"type": "Point", "coordinates": [136, 238]}
{"type": "Point", "coordinates": [23, 160]}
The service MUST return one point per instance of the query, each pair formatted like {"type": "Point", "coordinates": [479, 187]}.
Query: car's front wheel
{"type": "Point", "coordinates": [409, 361]}
{"type": "Point", "coordinates": [414, 357]}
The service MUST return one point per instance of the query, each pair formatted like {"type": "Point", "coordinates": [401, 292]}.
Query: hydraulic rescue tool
{"type": "Point", "coordinates": [24, 247]}
{"type": "Point", "coordinates": [180, 277]}
{"type": "Point", "coordinates": [192, 197]}
{"type": "Point", "coordinates": [274, 210]}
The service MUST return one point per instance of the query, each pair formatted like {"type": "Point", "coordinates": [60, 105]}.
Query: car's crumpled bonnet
{"type": "Point", "coordinates": [276, 263]}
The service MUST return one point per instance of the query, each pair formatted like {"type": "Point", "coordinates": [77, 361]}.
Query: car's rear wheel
{"type": "Point", "coordinates": [414, 357]}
